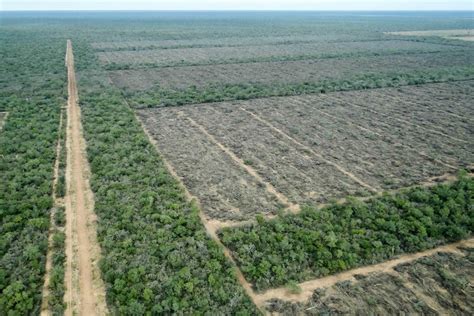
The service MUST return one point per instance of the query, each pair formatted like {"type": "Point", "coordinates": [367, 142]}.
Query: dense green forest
{"type": "Point", "coordinates": [32, 91]}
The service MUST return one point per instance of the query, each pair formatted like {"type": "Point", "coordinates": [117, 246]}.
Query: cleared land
{"type": "Point", "coordinates": [145, 44]}
{"type": "Point", "coordinates": [440, 283]}
{"type": "Point", "coordinates": [311, 149]}
{"type": "Point", "coordinates": [462, 34]}
{"type": "Point", "coordinates": [281, 72]}
{"type": "Point", "coordinates": [209, 55]}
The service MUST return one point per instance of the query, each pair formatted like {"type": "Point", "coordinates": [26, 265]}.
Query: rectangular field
{"type": "Point", "coordinates": [311, 149]}
{"type": "Point", "coordinates": [287, 72]}
{"type": "Point", "coordinates": [169, 57]}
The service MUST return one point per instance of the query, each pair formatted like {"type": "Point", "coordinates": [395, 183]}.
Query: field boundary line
{"type": "Point", "coordinates": [446, 178]}
{"type": "Point", "coordinates": [4, 120]}
{"type": "Point", "coordinates": [209, 225]}
{"type": "Point", "coordinates": [339, 168]}
{"type": "Point", "coordinates": [390, 135]}
{"type": "Point", "coordinates": [401, 120]}
{"type": "Point", "coordinates": [84, 290]}
{"type": "Point", "coordinates": [308, 287]}
{"type": "Point", "coordinates": [292, 207]}
{"type": "Point", "coordinates": [433, 304]}
{"type": "Point", "coordinates": [52, 225]}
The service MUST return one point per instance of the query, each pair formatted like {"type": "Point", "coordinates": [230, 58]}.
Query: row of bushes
{"type": "Point", "coordinates": [157, 257]}
{"type": "Point", "coordinates": [316, 242]}
{"type": "Point", "coordinates": [56, 303]}
{"type": "Point", "coordinates": [182, 63]}
{"type": "Point", "coordinates": [227, 92]}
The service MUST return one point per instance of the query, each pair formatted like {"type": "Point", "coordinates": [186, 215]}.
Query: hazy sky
{"type": "Point", "coordinates": [236, 5]}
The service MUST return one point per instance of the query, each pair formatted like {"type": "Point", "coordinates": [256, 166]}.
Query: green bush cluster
{"type": "Point", "coordinates": [227, 92]}
{"type": "Point", "coordinates": [309, 56]}
{"type": "Point", "coordinates": [157, 257]}
{"type": "Point", "coordinates": [316, 242]}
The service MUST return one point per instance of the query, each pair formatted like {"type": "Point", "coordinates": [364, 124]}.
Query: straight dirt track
{"type": "Point", "coordinates": [85, 294]}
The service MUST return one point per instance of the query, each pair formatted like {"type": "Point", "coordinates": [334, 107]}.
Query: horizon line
{"type": "Point", "coordinates": [236, 10]}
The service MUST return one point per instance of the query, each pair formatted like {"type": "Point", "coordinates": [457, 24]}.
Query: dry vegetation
{"type": "Point", "coordinates": [297, 143]}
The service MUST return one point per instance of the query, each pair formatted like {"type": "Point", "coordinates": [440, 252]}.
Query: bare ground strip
{"type": "Point", "coordinates": [3, 119]}
{"type": "Point", "coordinates": [85, 291]}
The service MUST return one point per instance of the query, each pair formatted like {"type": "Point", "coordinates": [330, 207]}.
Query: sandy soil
{"type": "Point", "coordinates": [85, 292]}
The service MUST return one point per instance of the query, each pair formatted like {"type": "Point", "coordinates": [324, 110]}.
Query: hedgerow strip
{"type": "Point", "coordinates": [157, 257]}
{"type": "Point", "coordinates": [319, 242]}
{"type": "Point", "coordinates": [158, 97]}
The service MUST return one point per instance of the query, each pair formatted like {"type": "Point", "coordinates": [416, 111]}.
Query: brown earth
{"type": "Point", "coordinates": [85, 292]}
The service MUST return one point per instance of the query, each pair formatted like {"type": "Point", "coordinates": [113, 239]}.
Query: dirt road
{"type": "Point", "coordinates": [85, 294]}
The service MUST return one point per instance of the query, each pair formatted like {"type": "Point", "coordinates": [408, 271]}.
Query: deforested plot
{"type": "Point", "coordinates": [431, 115]}
{"type": "Point", "coordinates": [446, 278]}
{"type": "Point", "coordinates": [455, 98]}
{"type": "Point", "coordinates": [224, 189]}
{"type": "Point", "coordinates": [377, 158]}
{"type": "Point", "coordinates": [307, 149]}
{"type": "Point", "coordinates": [282, 72]}
{"type": "Point", "coordinates": [295, 171]}
{"type": "Point", "coordinates": [449, 150]}
{"type": "Point", "coordinates": [145, 44]}
{"type": "Point", "coordinates": [228, 54]}
{"type": "Point", "coordinates": [435, 284]}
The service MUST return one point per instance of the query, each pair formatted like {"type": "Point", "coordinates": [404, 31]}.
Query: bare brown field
{"type": "Point", "coordinates": [440, 283]}
{"type": "Point", "coordinates": [280, 72]}
{"type": "Point", "coordinates": [462, 34]}
{"type": "Point", "coordinates": [165, 57]}
{"type": "Point", "coordinates": [223, 41]}
{"type": "Point", "coordinates": [309, 149]}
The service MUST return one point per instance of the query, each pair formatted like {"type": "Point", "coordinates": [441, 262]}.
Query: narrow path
{"type": "Point", "coordinates": [2, 122]}
{"type": "Point", "coordinates": [310, 286]}
{"type": "Point", "coordinates": [85, 291]}
{"type": "Point", "coordinates": [52, 226]}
